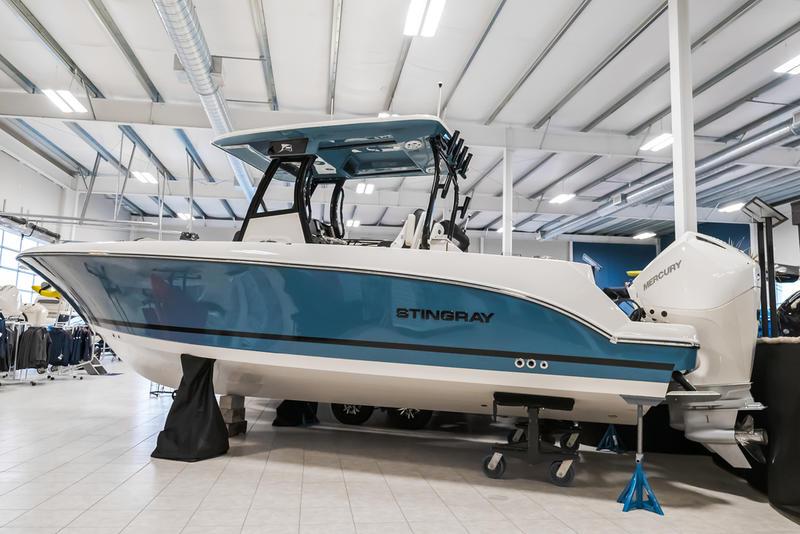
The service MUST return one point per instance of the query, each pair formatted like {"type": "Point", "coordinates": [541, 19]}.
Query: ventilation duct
{"type": "Point", "coordinates": [183, 27]}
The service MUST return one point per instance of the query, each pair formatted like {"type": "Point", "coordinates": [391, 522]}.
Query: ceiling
{"type": "Point", "coordinates": [596, 76]}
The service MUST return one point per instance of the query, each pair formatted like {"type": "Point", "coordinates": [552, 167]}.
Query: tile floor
{"type": "Point", "coordinates": [75, 458]}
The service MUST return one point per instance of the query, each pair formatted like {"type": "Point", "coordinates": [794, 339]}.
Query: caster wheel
{"type": "Point", "coordinates": [352, 414]}
{"type": "Point", "coordinates": [409, 418]}
{"type": "Point", "coordinates": [562, 481]}
{"type": "Point", "coordinates": [517, 435]}
{"type": "Point", "coordinates": [498, 469]}
{"type": "Point", "coordinates": [564, 442]}
{"type": "Point", "coordinates": [174, 393]}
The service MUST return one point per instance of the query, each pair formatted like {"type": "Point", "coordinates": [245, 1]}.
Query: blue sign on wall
{"type": "Point", "coordinates": [737, 235]}
{"type": "Point", "coordinates": [612, 260]}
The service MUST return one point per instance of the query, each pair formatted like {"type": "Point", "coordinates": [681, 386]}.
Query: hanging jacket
{"type": "Point", "coordinates": [60, 347]}
{"type": "Point", "coordinates": [34, 344]}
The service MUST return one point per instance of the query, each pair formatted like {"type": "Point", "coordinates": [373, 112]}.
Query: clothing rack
{"type": "Point", "coordinates": [14, 376]}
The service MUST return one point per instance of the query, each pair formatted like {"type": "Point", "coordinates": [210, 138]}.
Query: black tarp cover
{"type": "Point", "coordinates": [194, 429]}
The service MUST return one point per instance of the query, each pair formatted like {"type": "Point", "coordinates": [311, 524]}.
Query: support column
{"type": "Point", "coordinates": [680, 80]}
{"type": "Point", "coordinates": [508, 204]}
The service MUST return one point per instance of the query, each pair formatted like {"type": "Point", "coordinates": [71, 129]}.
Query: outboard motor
{"type": "Point", "coordinates": [706, 283]}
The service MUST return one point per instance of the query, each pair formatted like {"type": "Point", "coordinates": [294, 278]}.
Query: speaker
{"type": "Point", "coordinates": [796, 213]}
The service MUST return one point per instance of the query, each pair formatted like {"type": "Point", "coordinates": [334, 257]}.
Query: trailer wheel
{"type": "Point", "coordinates": [409, 418]}
{"type": "Point", "coordinates": [497, 470]}
{"type": "Point", "coordinates": [352, 414]}
{"type": "Point", "coordinates": [567, 477]}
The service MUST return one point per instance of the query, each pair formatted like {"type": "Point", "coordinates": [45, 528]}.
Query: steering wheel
{"type": "Point", "coordinates": [337, 201]}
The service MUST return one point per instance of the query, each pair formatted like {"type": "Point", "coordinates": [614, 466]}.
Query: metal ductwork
{"type": "Point", "coordinates": [642, 192]}
{"type": "Point", "coordinates": [183, 27]}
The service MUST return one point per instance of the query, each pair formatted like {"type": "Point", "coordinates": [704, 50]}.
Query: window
{"type": "Point", "coordinates": [13, 273]}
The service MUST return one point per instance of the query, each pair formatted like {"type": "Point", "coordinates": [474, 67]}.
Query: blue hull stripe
{"type": "Point", "coordinates": [662, 366]}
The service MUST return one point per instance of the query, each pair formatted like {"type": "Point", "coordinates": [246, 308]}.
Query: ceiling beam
{"type": "Point", "coordinates": [49, 41]}
{"type": "Point", "coordinates": [260, 26]}
{"type": "Point", "coordinates": [472, 55]}
{"type": "Point", "coordinates": [724, 73]}
{"type": "Point", "coordinates": [553, 140]}
{"type": "Point", "coordinates": [198, 162]}
{"type": "Point", "coordinates": [538, 60]}
{"type": "Point", "coordinates": [398, 71]}
{"type": "Point", "coordinates": [661, 71]}
{"type": "Point", "coordinates": [576, 88]}
{"type": "Point", "coordinates": [107, 21]}
{"type": "Point", "coordinates": [36, 147]}
{"type": "Point", "coordinates": [20, 79]}
{"type": "Point", "coordinates": [22, 149]}
{"type": "Point", "coordinates": [49, 149]}
{"type": "Point", "coordinates": [408, 199]}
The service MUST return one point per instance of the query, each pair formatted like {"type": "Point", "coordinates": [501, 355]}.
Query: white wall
{"type": "Point", "coordinates": [787, 243]}
{"type": "Point", "coordinates": [22, 190]}
{"type": "Point", "coordinates": [558, 250]}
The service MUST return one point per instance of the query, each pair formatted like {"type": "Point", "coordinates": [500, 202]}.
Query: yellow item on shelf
{"type": "Point", "coordinates": [47, 291]}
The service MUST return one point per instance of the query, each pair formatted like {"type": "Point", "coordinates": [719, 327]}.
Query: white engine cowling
{"type": "Point", "coordinates": [706, 283]}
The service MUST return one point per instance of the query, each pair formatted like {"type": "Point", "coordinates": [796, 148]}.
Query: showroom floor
{"type": "Point", "coordinates": [75, 458]}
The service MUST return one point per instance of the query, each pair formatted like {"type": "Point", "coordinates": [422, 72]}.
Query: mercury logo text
{"type": "Point", "coordinates": [443, 315]}
{"type": "Point", "coordinates": [662, 273]}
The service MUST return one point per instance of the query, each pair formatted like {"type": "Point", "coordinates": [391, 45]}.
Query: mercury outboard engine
{"type": "Point", "coordinates": [706, 283]}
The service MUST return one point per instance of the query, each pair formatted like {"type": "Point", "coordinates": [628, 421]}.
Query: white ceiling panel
{"type": "Point", "coordinates": [213, 208]}
{"type": "Point", "coordinates": [144, 31]}
{"type": "Point", "coordinates": [299, 40]}
{"type": "Point", "coordinates": [440, 58]}
{"type": "Point", "coordinates": [89, 46]}
{"type": "Point", "coordinates": [548, 173]}
{"type": "Point", "coordinates": [370, 41]}
{"type": "Point", "coordinates": [63, 137]}
{"type": "Point", "coordinates": [761, 23]}
{"type": "Point", "coordinates": [521, 31]}
{"type": "Point", "coordinates": [598, 30]}
{"type": "Point", "coordinates": [648, 53]}
{"type": "Point", "coordinates": [23, 48]}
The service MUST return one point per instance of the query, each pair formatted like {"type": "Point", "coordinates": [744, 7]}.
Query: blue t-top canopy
{"type": "Point", "coordinates": [355, 148]}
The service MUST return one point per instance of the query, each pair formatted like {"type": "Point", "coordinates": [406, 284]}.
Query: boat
{"type": "Point", "coordinates": [294, 309]}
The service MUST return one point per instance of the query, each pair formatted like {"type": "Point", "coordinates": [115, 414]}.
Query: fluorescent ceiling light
{"type": "Point", "coordinates": [353, 223]}
{"type": "Point", "coordinates": [57, 100]}
{"type": "Point", "coordinates": [416, 10]}
{"type": "Point", "coordinates": [658, 142]}
{"type": "Point", "coordinates": [365, 189]}
{"type": "Point", "coordinates": [500, 230]}
{"type": "Point", "coordinates": [432, 18]}
{"type": "Point", "coordinates": [64, 100]}
{"type": "Point", "coordinates": [644, 235]}
{"type": "Point", "coordinates": [72, 102]}
{"type": "Point", "coordinates": [184, 216]}
{"type": "Point", "coordinates": [423, 17]}
{"type": "Point", "coordinates": [730, 208]}
{"type": "Point", "coordinates": [145, 177]}
{"type": "Point", "coordinates": [790, 67]}
{"type": "Point", "coordinates": [563, 197]}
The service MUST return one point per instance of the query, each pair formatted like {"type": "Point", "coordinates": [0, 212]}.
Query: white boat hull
{"type": "Point", "coordinates": [290, 376]}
